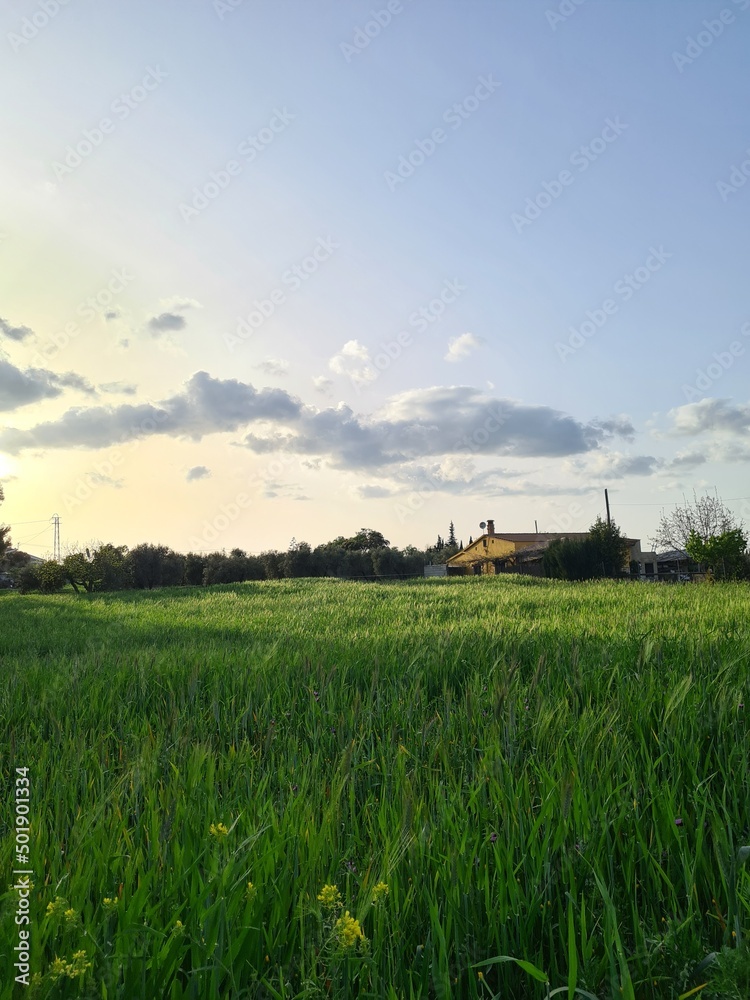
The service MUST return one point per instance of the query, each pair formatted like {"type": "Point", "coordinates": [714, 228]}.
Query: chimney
{"type": "Point", "coordinates": [491, 528]}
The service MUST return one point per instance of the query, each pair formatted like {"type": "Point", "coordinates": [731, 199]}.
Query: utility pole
{"type": "Point", "coordinates": [56, 538]}
{"type": "Point", "coordinates": [606, 500]}
{"type": "Point", "coordinates": [536, 528]}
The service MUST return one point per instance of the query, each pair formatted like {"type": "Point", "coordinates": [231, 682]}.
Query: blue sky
{"type": "Point", "coordinates": [490, 258]}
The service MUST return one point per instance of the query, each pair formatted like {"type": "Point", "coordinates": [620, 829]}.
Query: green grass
{"type": "Point", "coordinates": [353, 734]}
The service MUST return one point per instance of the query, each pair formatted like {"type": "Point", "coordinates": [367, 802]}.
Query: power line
{"type": "Point", "coordinates": [676, 503]}
{"type": "Point", "coordinates": [17, 524]}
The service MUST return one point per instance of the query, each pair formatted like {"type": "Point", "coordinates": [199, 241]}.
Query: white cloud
{"type": "Point", "coordinates": [354, 360]}
{"type": "Point", "coordinates": [323, 385]}
{"type": "Point", "coordinates": [462, 347]}
{"type": "Point", "coordinates": [274, 366]}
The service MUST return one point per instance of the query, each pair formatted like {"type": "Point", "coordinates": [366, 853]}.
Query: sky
{"type": "Point", "coordinates": [276, 269]}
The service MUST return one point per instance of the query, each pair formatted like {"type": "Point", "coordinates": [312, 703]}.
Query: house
{"type": "Point", "coordinates": [516, 552]}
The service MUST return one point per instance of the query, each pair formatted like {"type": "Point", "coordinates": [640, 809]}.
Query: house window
{"type": "Point", "coordinates": [649, 569]}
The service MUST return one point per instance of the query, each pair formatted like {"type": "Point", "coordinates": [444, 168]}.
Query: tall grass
{"type": "Point", "coordinates": [557, 773]}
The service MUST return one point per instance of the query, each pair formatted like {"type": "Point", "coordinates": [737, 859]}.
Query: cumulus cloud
{"type": "Point", "coordinates": [615, 465]}
{"type": "Point", "coordinates": [323, 385]}
{"type": "Point", "coordinates": [171, 318]}
{"type": "Point", "coordinates": [100, 479]}
{"type": "Point", "coordinates": [371, 491]}
{"type": "Point", "coordinates": [166, 322]}
{"type": "Point", "coordinates": [19, 388]}
{"type": "Point", "coordinates": [15, 332]}
{"type": "Point", "coordinates": [711, 415]}
{"type": "Point", "coordinates": [459, 479]}
{"type": "Point", "coordinates": [197, 472]}
{"type": "Point", "coordinates": [419, 424]}
{"type": "Point", "coordinates": [274, 366]}
{"type": "Point", "coordinates": [687, 460]}
{"type": "Point", "coordinates": [462, 347]}
{"type": "Point", "coordinates": [205, 406]}
{"type": "Point", "coordinates": [179, 303]}
{"type": "Point", "coordinates": [122, 388]}
{"type": "Point", "coordinates": [354, 361]}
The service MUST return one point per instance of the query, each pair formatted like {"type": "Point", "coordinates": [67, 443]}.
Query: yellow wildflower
{"type": "Point", "coordinates": [179, 927]}
{"type": "Point", "coordinates": [251, 891]}
{"type": "Point", "coordinates": [79, 965]}
{"type": "Point", "coordinates": [380, 891]}
{"type": "Point", "coordinates": [58, 968]}
{"type": "Point", "coordinates": [71, 916]}
{"type": "Point", "coordinates": [348, 931]}
{"type": "Point", "coordinates": [330, 897]}
{"type": "Point", "coordinates": [110, 904]}
{"type": "Point", "coordinates": [57, 908]}
{"type": "Point", "coordinates": [218, 830]}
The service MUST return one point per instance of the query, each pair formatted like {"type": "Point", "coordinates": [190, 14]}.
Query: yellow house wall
{"type": "Point", "coordinates": [496, 549]}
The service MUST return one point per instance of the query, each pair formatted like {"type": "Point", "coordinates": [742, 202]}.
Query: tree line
{"type": "Point", "coordinates": [367, 555]}
{"type": "Point", "coordinates": [705, 532]}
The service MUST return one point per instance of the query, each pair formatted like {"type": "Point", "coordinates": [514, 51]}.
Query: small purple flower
{"type": "Point", "coordinates": [294, 788]}
{"type": "Point", "coordinates": [333, 730]}
{"type": "Point", "coordinates": [493, 838]}
{"type": "Point", "coordinates": [678, 821]}
{"type": "Point", "coordinates": [352, 867]}
{"type": "Point", "coordinates": [316, 695]}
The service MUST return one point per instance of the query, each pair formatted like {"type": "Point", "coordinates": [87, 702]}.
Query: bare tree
{"type": "Point", "coordinates": [707, 517]}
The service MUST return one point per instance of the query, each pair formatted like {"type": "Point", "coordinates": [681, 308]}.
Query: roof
{"type": "Point", "coordinates": [674, 555]}
{"type": "Point", "coordinates": [536, 536]}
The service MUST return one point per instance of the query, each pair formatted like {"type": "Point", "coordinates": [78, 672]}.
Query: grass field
{"type": "Point", "coordinates": [553, 772]}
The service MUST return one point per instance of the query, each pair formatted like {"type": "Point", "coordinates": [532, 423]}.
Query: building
{"type": "Point", "coordinates": [517, 552]}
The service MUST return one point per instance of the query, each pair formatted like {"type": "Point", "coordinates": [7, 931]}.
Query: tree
{"type": "Point", "coordinates": [723, 555]}
{"type": "Point", "coordinates": [452, 537]}
{"type": "Point", "coordinates": [80, 571]}
{"type": "Point", "coordinates": [366, 540]}
{"type": "Point", "coordinates": [704, 518]}
{"type": "Point", "coordinates": [155, 566]}
{"type": "Point", "coordinates": [111, 567]}
{"type": "Point", "coordinates": [602, 553]}
{"type": "Point", "coordinates": [298, 561]}
{"type": "Point", "coordinates": [51, 576]}
{"type": "Point", "coordinates": [610, 546]}
{"type": "Point", "coordinates": [4, 532]}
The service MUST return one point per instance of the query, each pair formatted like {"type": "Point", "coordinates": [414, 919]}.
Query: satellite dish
{"type": "Point", "coordinates": [482, 524]}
